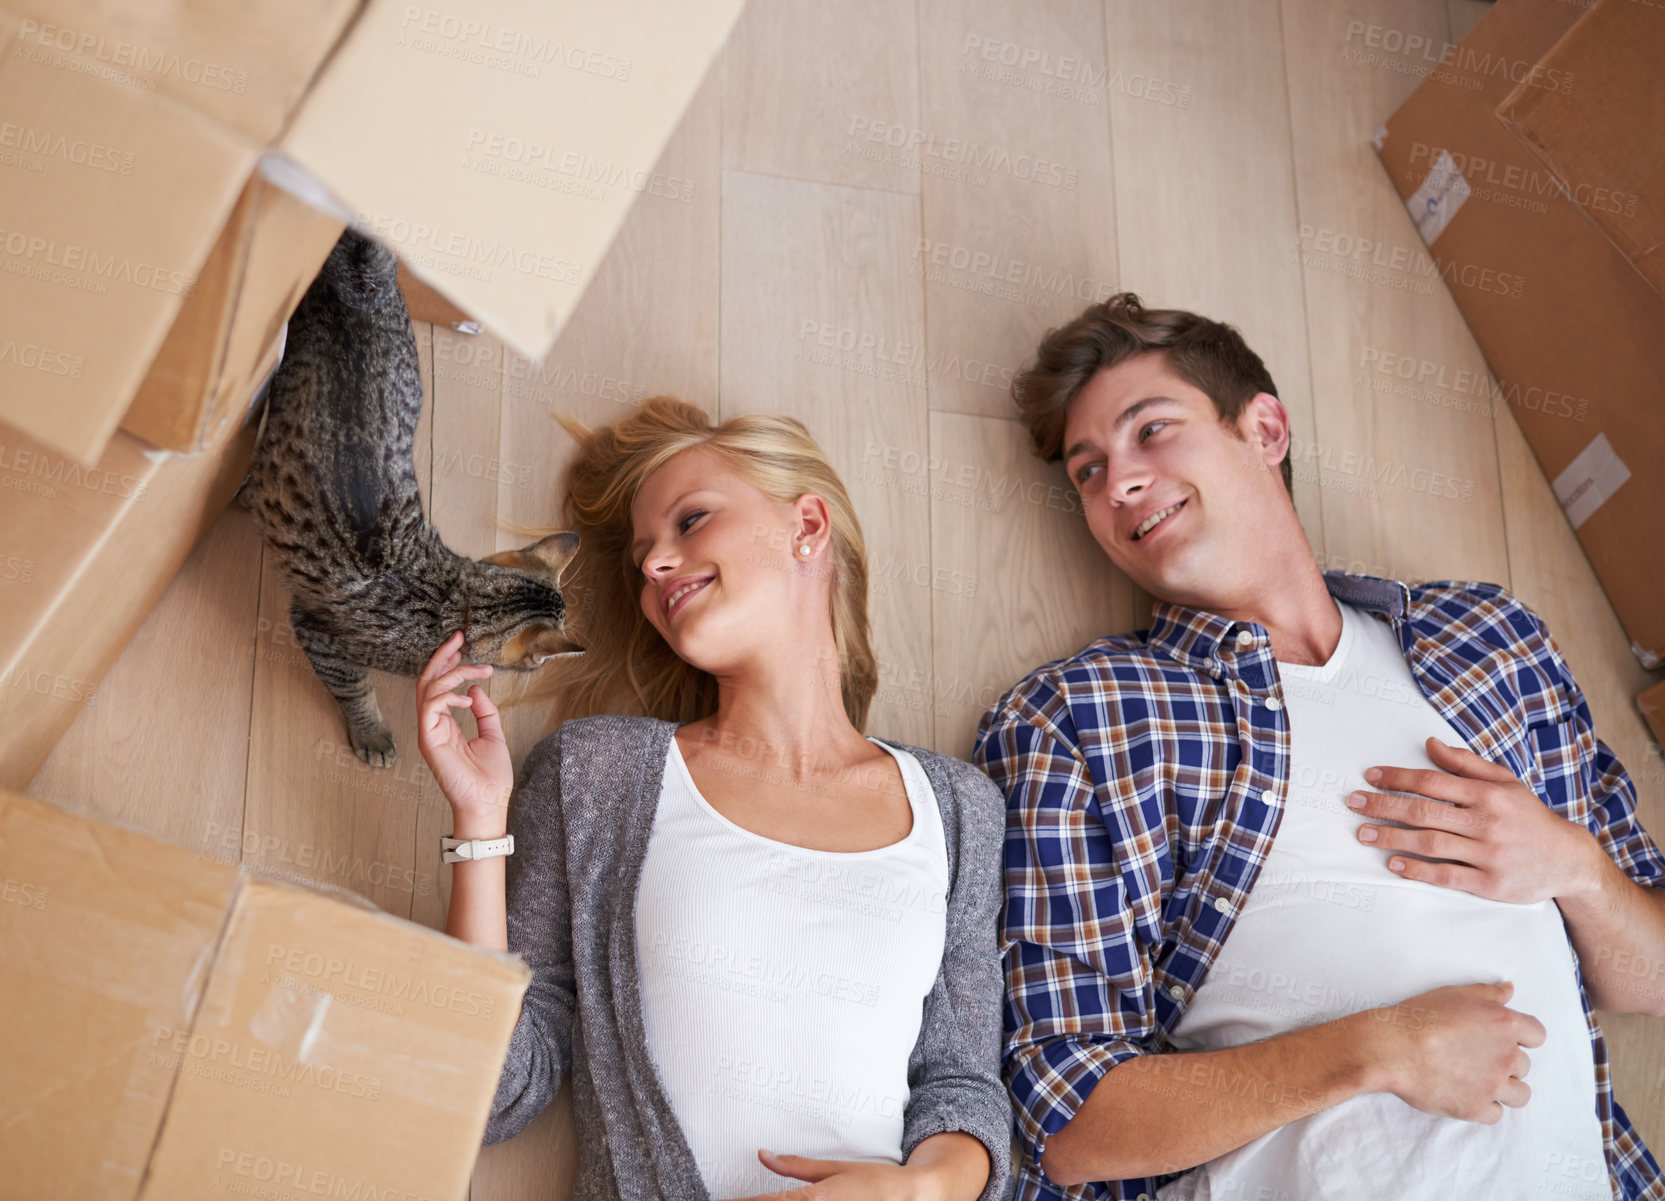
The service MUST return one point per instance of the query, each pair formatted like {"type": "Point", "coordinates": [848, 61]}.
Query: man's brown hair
{"type": "Point", "coordinates": [1209, 355]}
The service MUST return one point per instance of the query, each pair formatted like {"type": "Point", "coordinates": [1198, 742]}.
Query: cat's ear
{"type": "Point", "coordinates": [552, 554]}
{"type": "Point", "coordinates": [556, 551]}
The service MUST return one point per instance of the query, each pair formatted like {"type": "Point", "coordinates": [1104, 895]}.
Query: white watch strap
{"type": "Point", "coordinates": [457, 850]}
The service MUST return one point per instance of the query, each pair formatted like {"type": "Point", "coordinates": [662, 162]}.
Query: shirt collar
{"type": "Point", "coordinates": [1192, 636]}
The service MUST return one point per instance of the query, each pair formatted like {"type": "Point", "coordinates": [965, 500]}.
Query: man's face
{"type": "Point", "coordinates": [1180, 502]}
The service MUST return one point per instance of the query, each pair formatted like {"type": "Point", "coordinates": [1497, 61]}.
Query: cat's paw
{"type": "Point", "coordinates": [375, 746]}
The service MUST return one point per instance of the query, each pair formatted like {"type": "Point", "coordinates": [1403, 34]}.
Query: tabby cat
{"type": "Point", "coordinates": [333, 488]}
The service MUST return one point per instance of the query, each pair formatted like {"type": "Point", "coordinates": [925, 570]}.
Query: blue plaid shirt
{"type": "Point", "coordinates": [1144, 779]}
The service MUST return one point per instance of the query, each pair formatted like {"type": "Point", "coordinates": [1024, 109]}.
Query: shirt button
{"type": "Point", "coordinates": [1221, 905]}
{"type": "Point", "coordinates": [1211, 665]}
{"type": "Point", "coordinates": [1267, 797]}
{"type": "Point", "coordinates": [1273, 703]}
{"type": "Point", "coordinates": [1144, 1197]}
{"type": "Point", "coordinates": [1245, 638]}
{"type": "Point", "coordinates": [1177, 991]}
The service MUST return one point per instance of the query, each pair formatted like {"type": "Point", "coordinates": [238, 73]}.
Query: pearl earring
{"type": "Point", "coordinates": [803, 549]}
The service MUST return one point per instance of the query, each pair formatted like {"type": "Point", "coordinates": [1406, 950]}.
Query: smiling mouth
{"type": "Point", "coordinates": [675, 599]}
{"type": "Point", "coordinates": [1156, 519]}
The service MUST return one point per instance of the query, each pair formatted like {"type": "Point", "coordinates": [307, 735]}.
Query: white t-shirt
{"type": "Point", "coordinates": [1328, 930]}
{"type": "Point", "coordinates": [783, 988]}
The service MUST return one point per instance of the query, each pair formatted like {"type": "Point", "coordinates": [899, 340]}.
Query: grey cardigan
{"type": "Point", "coordinates": [581, 819]}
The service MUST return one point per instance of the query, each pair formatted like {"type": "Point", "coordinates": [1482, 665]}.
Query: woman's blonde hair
{"type": "Point", "coordinates": [627, 667]}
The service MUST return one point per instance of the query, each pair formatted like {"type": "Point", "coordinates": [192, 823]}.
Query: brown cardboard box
{"type": "Point", "coordinates": [129, 133]}
{"type": "Point", "coordinates": [1572, 331]}
{"type": "Point", "coordinates": [225, 339]}
{"type": "Point", "coordinates": [425, 304]}
{"type": "Point", "coordinates": [85, 555]}
{"type": "Point", "coordinates": [1604, 138]}
{"type": "Point", "coordinates": [183, 1030]}
{"type": "Point", "coordinates": [1651, 703]}
{"type": "Point", "coordinates": [496, 146]}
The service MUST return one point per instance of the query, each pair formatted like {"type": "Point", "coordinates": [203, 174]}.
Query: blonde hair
{"type": "Point", "coordinates": [627, 667]}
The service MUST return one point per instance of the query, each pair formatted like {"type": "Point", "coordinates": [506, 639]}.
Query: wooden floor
{"type": "Point", "coordinates": [837, 255]}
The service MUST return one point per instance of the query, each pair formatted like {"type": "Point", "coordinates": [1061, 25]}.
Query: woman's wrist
{"type": "Point", "coordinates": [484, 823]}
{"type": "Point", "coordinates": [479, 809]}
{"type": "Point", "coordinates": [951, 1166]}
{"type": "Point", "coordinates": [930, 1182]}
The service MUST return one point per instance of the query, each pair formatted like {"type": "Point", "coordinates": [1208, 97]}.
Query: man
{"type": "Point", "coordinates": [1304, 879]}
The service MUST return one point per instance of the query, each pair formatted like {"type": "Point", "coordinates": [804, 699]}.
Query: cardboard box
{"type": "Point", "coordinates": [1650, 702]}
{"type": "Point", "coordinates": [495, 146]}
{"type": "Point", "coordinates": [226, 337]}
{"type": "Point", "coordinates": [1573, 333]}
{"type": "Point", "coordinates": [186, 1030]}
{"type": "Point", "coordinates": [129, 133]}
{"type": "Point", "coordinates": [425, 304]}
{"type": "Point", "coordinates": [1604, 137]}
{"type": "Point", "coordinates": [85, 555]}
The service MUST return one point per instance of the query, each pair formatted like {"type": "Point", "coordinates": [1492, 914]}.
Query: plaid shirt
{"type": "Point", "coordinates": [1144, 779]}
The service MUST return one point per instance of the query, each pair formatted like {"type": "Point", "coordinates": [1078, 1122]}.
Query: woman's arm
{"type": "Point", "coordinates": [944, 1167]}
{"type": "Point", "coordinates": [523, 905]}
{"type": "Point", "coordinates": [476, 776]}
{"type": "Point", "coordinates": [954, 1073]}
{"type": "Point", "coordinates": [478, 911]}
{"type": "Point", "coordinates": [956, 1161]}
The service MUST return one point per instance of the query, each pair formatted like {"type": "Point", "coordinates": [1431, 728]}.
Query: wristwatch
{"type": "Point", "coordinates": [456, 850]}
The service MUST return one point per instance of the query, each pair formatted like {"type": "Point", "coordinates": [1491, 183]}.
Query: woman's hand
{"type": "Point", "coordinates": [844, 1180]}
{"type": "Point", "coordinates": [475, 775]}
{"type": "Point", "coordinates": [951, 1166]}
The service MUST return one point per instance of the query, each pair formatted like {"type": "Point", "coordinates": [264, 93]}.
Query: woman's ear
{"type": "Point", "coordinates": [814, 522]}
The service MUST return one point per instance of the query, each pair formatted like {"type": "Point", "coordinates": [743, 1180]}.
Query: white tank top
{"type": "Point", "coordinates": [783, 988]}
{"type": "Point", "coordinates": [1328, 930]}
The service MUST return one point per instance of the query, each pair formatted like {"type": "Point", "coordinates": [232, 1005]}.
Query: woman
{"type": "Point", "coordinates": [763, 945]}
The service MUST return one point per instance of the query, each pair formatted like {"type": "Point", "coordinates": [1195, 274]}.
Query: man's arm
{"type": "Point", "coordinates": [1485, 832]}
{"type": "Point", "coordinates": [1618, 928]}
{"type": "Point", "coordinates": [1503, 841]}
{"type": "Point", "coordinates": [1617, 921]}
{"type": "Point", "coordinates": [1455, 1052]}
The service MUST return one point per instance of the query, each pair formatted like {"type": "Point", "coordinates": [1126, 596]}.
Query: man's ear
{"type": "Point", "coordinates": [1268, 427]}
{"type": "Point", "coordinates": [552, 555]}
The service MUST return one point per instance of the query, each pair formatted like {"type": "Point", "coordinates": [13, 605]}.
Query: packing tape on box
{"type": "Point", "coordinates": [293, 1014]}
{"type": "Point", "coordinates": [1435, 203]}
{"type": "Point", "coordinates": [326, 1040]}
{"type": "Point", "coordinates": [1587, 482]}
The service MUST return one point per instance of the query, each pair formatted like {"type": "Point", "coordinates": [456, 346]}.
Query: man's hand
{"type": "Point", "coordinates": [1496, 837]}
{"type": "Point", "coordinates": [1456, 1052]}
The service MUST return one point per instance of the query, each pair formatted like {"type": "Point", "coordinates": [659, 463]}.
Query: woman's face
{"type": "Point", "coordinates": [722, 570]}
